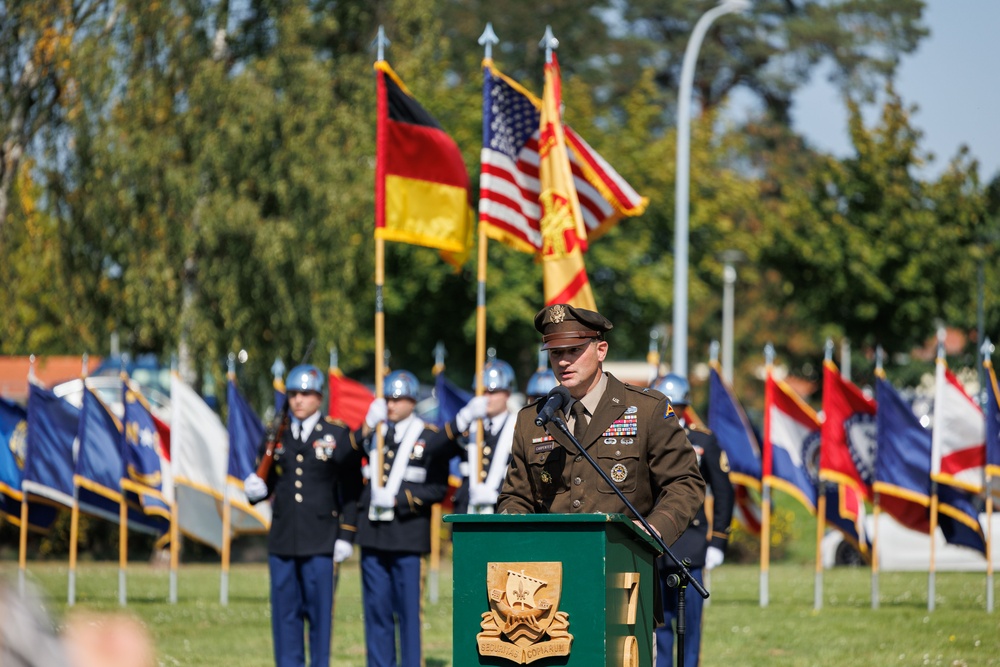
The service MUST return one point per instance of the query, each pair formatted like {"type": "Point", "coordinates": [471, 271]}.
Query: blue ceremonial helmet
{"type": "Point", "coordinates": [498, 376]}
{"type": "Point", "coordinates": [401, 384]}
{"type": "Point", "coordinates": [541, 383]}
{"type": "Point", "coordinates": [305, 377]}
{"type": "Point", "coordinates": [675, 388]}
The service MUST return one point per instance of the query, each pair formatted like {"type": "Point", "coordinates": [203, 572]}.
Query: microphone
{"type": "Point", "coordinates": [556, 400]}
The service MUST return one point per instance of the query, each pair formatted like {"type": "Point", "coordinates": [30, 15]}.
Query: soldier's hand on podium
{"type": "Point", "coordinates": [377, 412]}
{"type": "Point", "coordinates": [643, 528]}
{"type": "Point", "coordinates": [714, 557]}
{"type": "Point", "coordinates": [382, 497]}
{"type": "Point", "coordinates": [255, 488]}
{"type": "Point", "coordinates": [482, 495]}
{"type": "Point", "coordinates": [473, 410]}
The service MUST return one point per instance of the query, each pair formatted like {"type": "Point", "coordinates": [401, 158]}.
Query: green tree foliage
{"type": "Point", "coordinates": [867, 245]}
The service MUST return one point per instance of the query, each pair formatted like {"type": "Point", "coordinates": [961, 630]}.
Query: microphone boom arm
{"type": "Point", "coordinates": [685, 572]}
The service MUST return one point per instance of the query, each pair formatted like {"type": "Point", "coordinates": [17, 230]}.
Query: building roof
{"type": "Point", "coordinates": [49, 370]}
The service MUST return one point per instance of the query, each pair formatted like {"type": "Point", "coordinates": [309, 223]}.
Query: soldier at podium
{"type": "Point", "coordinates": [632, 433]}
{"type": "Point", "coordinates": [703, 550]}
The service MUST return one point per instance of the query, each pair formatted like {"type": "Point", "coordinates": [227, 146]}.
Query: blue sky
{"type": "Point", "coordinates": [953, 78]}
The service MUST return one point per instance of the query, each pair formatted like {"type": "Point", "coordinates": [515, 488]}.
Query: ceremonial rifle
{"type": "Point", "coordinates": [277, 430]}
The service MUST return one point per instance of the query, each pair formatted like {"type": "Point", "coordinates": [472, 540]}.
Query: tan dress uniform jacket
{"type": "Point", "coordinates": [635, 438]}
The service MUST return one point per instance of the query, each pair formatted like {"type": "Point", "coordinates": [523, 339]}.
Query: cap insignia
{"type": "Point", "coordinates": [557, 313]}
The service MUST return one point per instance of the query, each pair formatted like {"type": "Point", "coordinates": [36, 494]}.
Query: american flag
{"type": "Point", "coordinates": [509, 185]}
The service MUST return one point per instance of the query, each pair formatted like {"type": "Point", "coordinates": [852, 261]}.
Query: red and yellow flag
{"type": "Point", "coordinates": [564, 236]}
{"type": "Point", "coordinates": [421, 184]}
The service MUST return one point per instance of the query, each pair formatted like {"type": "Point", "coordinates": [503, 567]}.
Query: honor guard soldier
{"type": "Point", "coordinates": [313, 520]}
{"type": "Point", "coordinates": [632, 433]}
{"type": "Point", "coordinates": [480, 495]}
{"type": "Point", "coordinates": [703, 550]}
{"type": "Point", "coordinates": [542, 381]}
{"type": "Point", "coordinates": [394, 518]}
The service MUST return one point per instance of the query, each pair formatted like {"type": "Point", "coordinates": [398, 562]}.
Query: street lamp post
{"type": "Point", "coordinates": [679, 361]}
{"type": "Point", "coordinates": [730, 258]}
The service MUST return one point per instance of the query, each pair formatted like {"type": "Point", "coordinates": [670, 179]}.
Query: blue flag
{"type": "Point", "coordinates": [730, 425]}
{"type": "Point", "coordinates": [13, 449]}
{"type": "Point", "coordinates": [143, 465]}
{"type": "Point", "coordinates": [903, 475]}
{"type": "Point", "coordinates": [246, 432]}
{"type": "Point", "coordinates": [992, 410]}
{"type": "Point", "coordinates": [52, 429]}
{"type": "Point", "coordinates": [451, 399]}
{"type": "Point", "coordinates": [98, 470]}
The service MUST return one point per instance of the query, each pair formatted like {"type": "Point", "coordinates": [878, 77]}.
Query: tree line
{"type": "Point", "coordinates": [198, 176]}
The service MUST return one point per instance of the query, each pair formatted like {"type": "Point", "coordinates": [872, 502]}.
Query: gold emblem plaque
{"type": "Point", "coordinates": [523, 623]}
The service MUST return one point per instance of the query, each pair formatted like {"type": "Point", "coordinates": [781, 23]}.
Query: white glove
{"type": "Point", "coordinates": [473, 410]}
{"type": "Point", "coordinates": [376, 413]}
{"type": "Point", "coordinates": [342, 550]}
{"type": "Point", "coordinates": [382, 497]}
{"type": "Point", "coordinates": [255, 488]}
{"type": "Point", "coordinates": [714, 557]}
{"type": "Point", "coordinates": [482, 495]}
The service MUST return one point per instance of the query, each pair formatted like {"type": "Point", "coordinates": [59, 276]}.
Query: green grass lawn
{"type": "Point", "coordinates": [198, 631]}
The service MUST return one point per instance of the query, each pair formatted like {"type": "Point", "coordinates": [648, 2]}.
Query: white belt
{"type": "Point", "coordinates": [411, 474]}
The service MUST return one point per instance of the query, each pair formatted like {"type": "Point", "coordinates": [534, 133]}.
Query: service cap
{"type": "Point", "coordinates": [562, 325]}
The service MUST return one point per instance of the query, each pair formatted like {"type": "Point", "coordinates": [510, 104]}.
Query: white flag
{"type": "Point", "coordinates": [199, 444]}
{"type": "Point", "coordinates": [958, 443]}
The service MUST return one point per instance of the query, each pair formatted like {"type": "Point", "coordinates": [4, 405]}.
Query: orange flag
{"type": "Point", "coordinates": [564, 236]}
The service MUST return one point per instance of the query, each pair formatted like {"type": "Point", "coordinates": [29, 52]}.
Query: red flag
{"type": "Point", "coordinates": [349, 399]}
{"type": "Point", "coordinates": [847, 455]}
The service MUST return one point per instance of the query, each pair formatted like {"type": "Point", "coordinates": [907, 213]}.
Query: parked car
{"type": "Point", "coordinates": [902, 549]}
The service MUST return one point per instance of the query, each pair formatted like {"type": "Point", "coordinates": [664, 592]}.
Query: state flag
{"type": "Point", "coordinates": [791, 443]}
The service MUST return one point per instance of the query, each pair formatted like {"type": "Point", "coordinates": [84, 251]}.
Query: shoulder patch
{"type": "Point", "coordinates": [724, 462]}
{"type": "Point", "coordinates": [336, 422]}
{"type": "Point", "coordinates": [669, 412]}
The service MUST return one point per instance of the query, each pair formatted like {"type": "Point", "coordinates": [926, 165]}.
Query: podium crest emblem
{"type": "Point", "coordinates": [524, 623]}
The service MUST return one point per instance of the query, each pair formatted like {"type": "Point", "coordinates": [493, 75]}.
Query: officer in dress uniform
{"type": "Point", "coordinates": [313, 520]}
{"type": "Point", "coordinates": [394, 518]}
{"type": "Point", "coordinates": [703, 550]}
{"type": "Point", "coordinates": [632, 433]}
{"type": "Point", "coordinates": [480, 496]}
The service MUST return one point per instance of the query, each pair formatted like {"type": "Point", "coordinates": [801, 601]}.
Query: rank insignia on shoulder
{"type": "Point", "coordinates": [669, 412]}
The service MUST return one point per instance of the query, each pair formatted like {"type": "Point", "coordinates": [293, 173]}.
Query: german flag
{"type": "Point", "coordinates": [421, 184]}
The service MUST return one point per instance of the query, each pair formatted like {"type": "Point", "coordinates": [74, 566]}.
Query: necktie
{"type": "Point", "coordinates": [580, 425]}
{"type": "Point", "coordinates": [390, 435]}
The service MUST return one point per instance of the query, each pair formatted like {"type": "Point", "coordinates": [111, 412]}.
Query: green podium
{"type": "Point", "coordinates": [552, 589]}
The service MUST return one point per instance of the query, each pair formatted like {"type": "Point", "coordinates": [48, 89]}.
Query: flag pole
{"type": "Point", "coordinates": [876, 503]}
{"type": "Point", "coordinates": [227, 509]}
{"type": "Point", "coordinates": [990, 376]}
{"type": "Point", "coordinates": [122, 523]}
{"type": "Point", "coordinates": [765, 503]}
{"type": "Point", "coordinates": [74, 522]}
{"type": "Point", "coordinates": [821, 503]}
{"type": "Point", "coordinates": [436, 511]}
{"type": "Point", "coordinates": [22, 547]}
{"type": "Point", "coordinates": [175, 546]}
{"type": "Point", "coordinates": [375, 462]}
{"type": "Point", "coordinates": [936, 434]}
{"type": "Point", "coordinates": [487, 40]}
